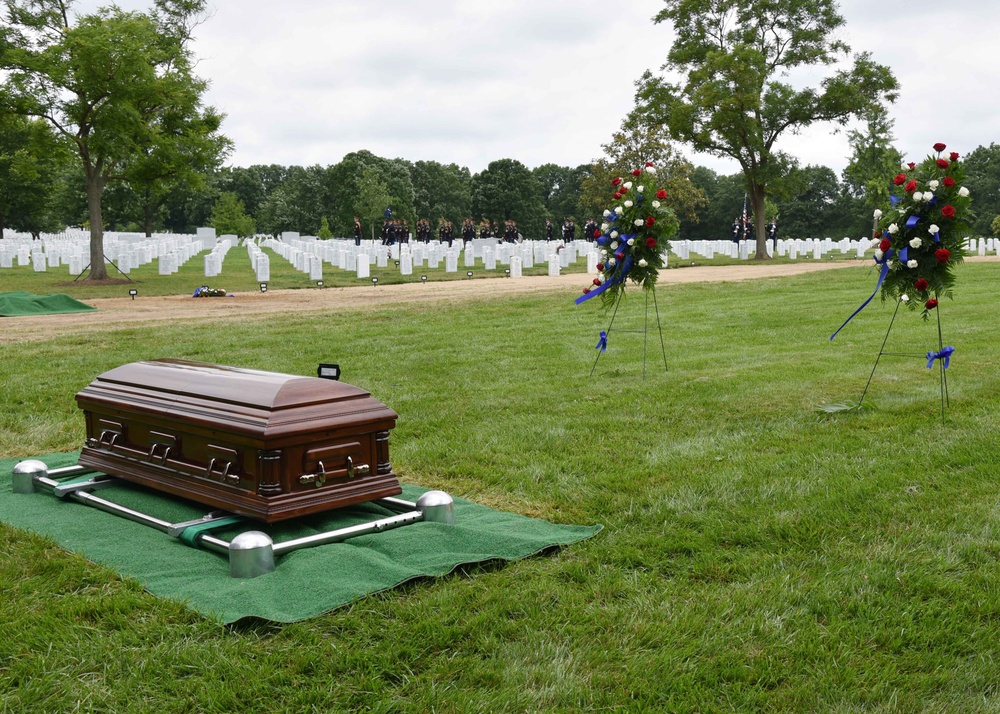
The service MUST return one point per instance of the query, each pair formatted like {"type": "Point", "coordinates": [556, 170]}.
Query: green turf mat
{"type": "Point", "coordinates": [22, 303]}
{"type": "Point", "coordinates": [306, 582]}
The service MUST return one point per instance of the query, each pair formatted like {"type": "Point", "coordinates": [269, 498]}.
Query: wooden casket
{"type": "Point", "coordinates": [261, 444]}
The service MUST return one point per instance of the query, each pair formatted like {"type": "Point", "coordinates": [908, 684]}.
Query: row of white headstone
{"type": "Point", "coordinates": [73, 251]}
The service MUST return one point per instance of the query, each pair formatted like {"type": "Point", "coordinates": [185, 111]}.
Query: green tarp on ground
{"type": "Point", "coordinates": [22, 303]}
{"type": "Point", "coordinates": [322, 578]}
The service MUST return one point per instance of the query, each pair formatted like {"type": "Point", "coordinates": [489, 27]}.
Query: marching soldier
{"type": "Point", "coordinates": [548, 229]}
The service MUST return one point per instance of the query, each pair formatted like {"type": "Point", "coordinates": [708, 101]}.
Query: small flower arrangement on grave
{"type": "Point", "coordinates": [205, 291]}
{"type": "Point", "coordinates": [633, 236]}
{"type": "Point", "coordinates": [919, 241]}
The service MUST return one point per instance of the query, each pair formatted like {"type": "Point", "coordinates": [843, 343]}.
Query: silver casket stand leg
{"type": "Point", "coordinates": [251, 553]}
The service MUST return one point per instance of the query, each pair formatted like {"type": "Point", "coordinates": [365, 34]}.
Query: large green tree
{"type": "Point", "coordinates": [874, 161]}
{"type": "Point", "coordinates": [733, 55]}
{"type": "Point", "coordinates": [30, 159]}
{"type": "Point", "coordinates": [560, 188]}
{"type": "Point", "coordinates": [982, 171]}
{"type": "Point", "coordinates": [505, 190]}
{"type": "Point", "coordinates": [114, 84]}
{"type": "Point", "coordinates": [441, 191]}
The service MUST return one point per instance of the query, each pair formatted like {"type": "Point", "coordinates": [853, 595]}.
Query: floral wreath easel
{"type": "Point", "coordinates": [920, 241]}
{"type": "Point", "coordinates": [631, 242]}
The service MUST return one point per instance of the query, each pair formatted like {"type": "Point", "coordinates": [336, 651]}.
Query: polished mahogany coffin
{"type": "Point", "coordinates": [261, 444]}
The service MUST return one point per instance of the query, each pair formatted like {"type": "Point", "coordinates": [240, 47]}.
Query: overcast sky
{"type": "Point", "coordinates": [470, 81]}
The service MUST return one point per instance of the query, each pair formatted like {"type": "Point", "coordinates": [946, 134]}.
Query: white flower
{"type": "Point", "coordinates": [638, 221]}
{"type": "Point", "coordinates": [607, 214]}
{"type": "Point", "coordinates": [963, 192]}
{"type": "Point", "coordinates": [631, 241]}
{"type": "Point", "coordinates": [639, 189]}
{"type": "Point", "coordinates": [612, 261]}
{"type": "Point", "coordinates": [650, 170]}
{"type": "Point", "coordinates": [629, 204]}
{"type": "Point", "coordinates": [875, 242]}
{"type": "Point", "coordinates": [614, 234]}
{"type": "Point", "coordinates": [933, 185]}
{"type": "Point", "coordinates": [643, 263]}
{"type": "Point", "coordinates": [614, 244]}
{"type": "Point", "coordinates": [656, 204]}
{"type": "Point", "coordinates": [917, 197]}
{"type": "Point", "coordinates": [893, 228]}
{"type": "Point", "coordinates": [603, 252]}
{"type": "Point", "coordinates": [904, 166]}
{"type": "Point", "coordinates": [916, 243]}
{"type": "Point", "coordinates": [628, 184]}
{"type": "Point", "coordinates": [932, 230]}
{"type": "Point", "coordinates": [877, 214]}
{"type": "Point", "coordinates": [891, 265]}
{"type": "Point", "coordinates": [618, 210]}
{"type": "Point", "coordinates": [911, 264]}
{"type": "Point", "coordinates": [604, 227]}
{"type": "Point", "coordinates": [878, 255]}
{"type": "Point", "coordinates": [904, 298]}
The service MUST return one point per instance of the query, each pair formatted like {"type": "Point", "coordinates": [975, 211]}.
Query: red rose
{"type": "Point", "coordinates": [623, 190]}
{"type": "Point", "coordinates": [948, 181]}
{"type": "Point", "coordinates": [912, 165]}
{"type": "Point", "coordinates": [650, 242]}
{"type": "Point", "coordinates": [597, 233]}
{"type": "Point", "coordinates": [616, 181]}
{"type": "Point", "coordinates": [586, 291]}
{"type": "Point", "coordinates": [942, 254]}
{"type": "Point", "coordinates": [899, 179]}
{"type": "Point", "coordinates": [884, 245]}
{"type": "Point", "coordinates": [910, 186]}
{"type": "Point", "coordinates": [948, 211]}
{"type": "Point", "coordinates": [649, 163]}
{"type": "Point", "coordinates": [878, 234]}
{"type": "Point", "coordinates": [619, 255]}
{"type": "Point", "coordinates": [600, 266]}
{"type": "Point", "coordinates": [661, 193]}
{"type": "Point", "coordinates": [597, 281]}
{"type": "Point", "coordinates": [637, 172]}
{"type": "Point", "coordinates": [953, 156]}
{"type": "Point", "coordinates": [943, 164]}
{"type": "Point", "coordinates": [617, 195]}
{"type": "Point", "coordinates": [650, 221]}
{"type": "Point", "coordinates": [930, 304]}
{"type": "Point", "coordinates": [939, 147]}
{"type": "Point", "coordinates": [921, 284]}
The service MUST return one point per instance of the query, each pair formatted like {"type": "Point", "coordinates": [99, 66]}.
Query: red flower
{"type": "Point", "coordinates": [942, 254]}
{"type": "Point", "coordinates": [948, 211]}
{"type": "Point", "coordinates": [586, 290]}
{"type": "Point", "coordinates": [942, 163]}
{"type": "Point", "coordinates": [616, 181]}
{"type": "Point", "coordinates": [912, 165]}
{"type": "Point", "coordinates": [661, 193]}
{"type": "Point", "coordinates": [617, 195]}
{"type": "Point", "coordinates": [878, 234]}
{"type": "Point", "coordinates": [899, 179]}
{"type": "Point", "coordinates": [600, 266]}
{"type": "Point", "coordinates": [619, 255]}
{"type": "Point", "coordinates": [939, 147]}
{"type": "Point", "coordinates": [884, 245]}
{"type": "Point", "coordinates": [650, 242]}
{"type": "Point", "coordinates": [597, 233]}
{"type": "Point", "coordinates": [597, 281]}
{"type": "Point", "coordinates": [637, 172]}
{"type": "Point", "coordinates": [953, 156]}
{"type": "Point", "coordinates": [948, 181]}
{"type": "Point", "coordinates": [649, 163]}
{"type": "Point", "coordinates": [921, 284]}
{"type": "Point", "coordinates": [910, 186]}
{"type": "Point", "coordinates": [650, 221]}
{"type": "Point", "coordinates": [930, 304]}
{"type": "Point", "coordinates": [623, 190]}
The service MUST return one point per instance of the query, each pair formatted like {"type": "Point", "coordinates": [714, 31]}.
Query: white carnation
{"type": "Point", "coordinates": [656, 204]}
{"type": "Point", "coordinates": [916, 243]}
{"type": "Point", "coordinates": [933, 184]}
{"type": "Point", "coordinates": [629, 204]}
{"type": "Point", "coordinates": [904, 166]}
{"type": "Point", "coordinates": [911, 264]}
{"type": "Point", "coordinates": [618, 210]}
{"type": "Point", "coordinates": [932, 230]}
{"type": "Point", "coordinates": [603, 252]}
{"type": "Point", "coordinates": [893, 228]}
{"type": "Point", "coordinates": [628, 184]}
{"type": "Point", "coordinates": [631, 241]}
{"type": "Point", "coordinates": [614, 234]}
{"type": "Point", "coordinates": [643, 263]}
{"type": "Point", "coordinates": [612, 261]}
{"type": "Point", "coordinates": [878, 255]}
{"type": "Point", "coordinates": [639, 189]}
{"type": "Point", "coordinates": [638, 221]}
{"type": "Point", "coordinates": [604, 227]}
{"type": "Point", "coordinates": [650, 170]}
{"type": "Point", "coordinates": [607, 214]}
{"type": "Point", "coordinates": [963, 192]}
{"type": "Point", "coordinates": [875, 242]}
{"type": "Point", "coordinates": [614, 244]}
{"type": "Point", "coordinates": [877, 214]}
{"type": "Point", "coordinates": [904, 297]}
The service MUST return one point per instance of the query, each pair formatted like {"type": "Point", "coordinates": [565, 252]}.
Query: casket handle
{"type": "Point", "coordinates": [224, 474]}
{"type": "Point", "coordinates": [162, 457]}
{"type": "Point", "coordinates": [318, 478]}
{"type": "Point", "coordinates": [104, 438]}
{"type": "Point", "coordinates": [359, 470]}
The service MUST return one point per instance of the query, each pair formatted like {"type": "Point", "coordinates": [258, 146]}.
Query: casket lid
{"type": "Point", "coordinates": [270, 400]}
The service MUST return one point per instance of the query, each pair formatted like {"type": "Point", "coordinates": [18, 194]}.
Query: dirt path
{"type": "Point", "coordinates": [124, 312]}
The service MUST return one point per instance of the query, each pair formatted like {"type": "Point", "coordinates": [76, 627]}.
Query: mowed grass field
{"type": "Point", "coordinates": [758, 554]}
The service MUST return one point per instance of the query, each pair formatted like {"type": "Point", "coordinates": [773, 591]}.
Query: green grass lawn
{"type": "Point", "coordinates": [758, 555]}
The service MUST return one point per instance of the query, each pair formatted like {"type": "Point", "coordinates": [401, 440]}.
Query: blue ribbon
{"type": "Point", "coordinates": [602, 344]}
{"type": "Point", "coordinates": [881, 278]}
{"type": "Point", "coordinates": [893, 199]}
{"type": "Point", "coordinates": [622, 271]}
{"type": "Point", "coordinates": [937, 236]}
{"type": "Point", "coordinates": [904, 255]}
{"type": "Point", "coordinates": [912, 221]}
{"type": "Point", "coordinates": [944, 355]}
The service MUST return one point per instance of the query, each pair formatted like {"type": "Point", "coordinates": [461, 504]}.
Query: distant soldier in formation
{"type": "Point", "coordinates": [589, 229]}
{"type": "Point", "coordinates": [468, 229]}
{"type": "Point", "coordinates": [569, 230]}
{"type": "Point", "coordinates": [357, 231]}
{"type": "Point", "coordinates": [509, 231]}
{"type": "Point", "coordinates": [494, 230]}
{"type": "Point", "coordinates": [442, 230]}
{"type": "Point", "coordinates": [423, 231]}
{"type": "Point", "coordinates": [386, 230]}
{"type": "Point", "coordinates": [772, 232]}
{"type": "Point", "coordinates": [736, 230]}
{"type": "Point", "coordinates": [405, 235]}
{"type": "Point", "coordinates": [548, 229]}
{"type": "Point", "coordinates": [484, 228]}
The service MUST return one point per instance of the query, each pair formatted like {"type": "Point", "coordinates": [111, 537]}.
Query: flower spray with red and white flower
{"type": "Point", "coordinates": [632, 240]}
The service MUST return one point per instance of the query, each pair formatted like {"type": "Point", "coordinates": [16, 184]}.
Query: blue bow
{"type": "Point", "coordinates": [944, 355]}
{"type": "Point", "coordinates": [881, 278]}
{"type": "Point", "coordinates": [621, 270]}
{"type": "Point", "coordinates": [602, 344]}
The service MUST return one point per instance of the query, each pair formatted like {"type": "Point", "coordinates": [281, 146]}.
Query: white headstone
{"type": "Point", "coordinates": [316, 268]}
{"type": "Point", "coordinates": [817, 250]}
{"type": "Point", "coordinates": [406, 264]}
{"type": "Point", "coordinates": [793, 250]}
{"type": "Point", "coordinates": [364, 269]}
{"type": "Point", "coordinates": [38, 262]}
{"type": "Point", "coordinates": [592, 263]}
{"type": "Point", "coordinates": [554, 266]}
{"type": "Point", "coordinates": [489, 259]}
{"type": "Point", "coordinates": [451, 262]}
{"type": "Point", "coordinates": [515, 266]}
{"type": "Point", "coordinates": [470, 256]}
{"type": "Point", "coordinates": [263, 268]}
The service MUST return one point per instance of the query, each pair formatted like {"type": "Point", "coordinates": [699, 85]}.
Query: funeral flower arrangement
{"type": "Point", "coordinates": [205, 291]}
{"type": "Point", "coordinates": [633, 236]}
{"type": "Point", "coordinates": [920, 239]}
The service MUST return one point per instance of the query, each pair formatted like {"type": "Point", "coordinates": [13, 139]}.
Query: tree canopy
{"type": "Point", "coordinates": [733, 102]}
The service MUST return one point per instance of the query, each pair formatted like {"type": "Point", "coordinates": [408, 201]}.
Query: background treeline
{"type": "Point", "coordinates": [41, 189]}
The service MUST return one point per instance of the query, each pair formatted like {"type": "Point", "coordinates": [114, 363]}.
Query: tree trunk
{"type": "Point", "coordinates": [148, 211]}
{"type": "Point", "coordinates": [95, 188]}
{"type": "Point", "coordinates": [757, 195]}
{"type": "Point", "coordinates": [2, 220]}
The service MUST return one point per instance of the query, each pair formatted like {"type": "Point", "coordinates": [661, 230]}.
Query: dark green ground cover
{"type": "Point", "coordinates": [757, 555]}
